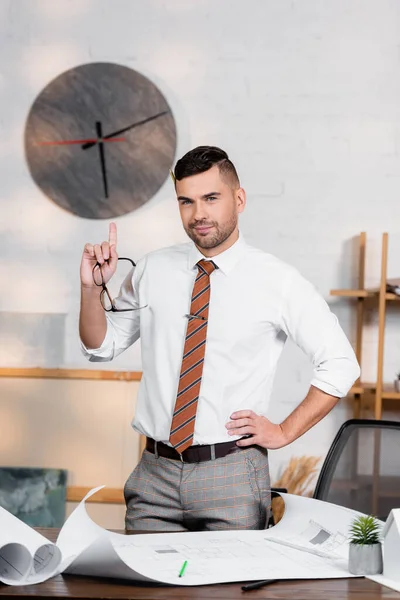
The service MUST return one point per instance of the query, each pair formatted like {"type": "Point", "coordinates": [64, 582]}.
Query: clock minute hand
{"type": "Point", "coordinates": [161, 114]}
{"type": "Point", "coordinates": [137, 124]}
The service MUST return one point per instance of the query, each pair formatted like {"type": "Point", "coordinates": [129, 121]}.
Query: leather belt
{"type": "Point", "coordinates": [193, 454]}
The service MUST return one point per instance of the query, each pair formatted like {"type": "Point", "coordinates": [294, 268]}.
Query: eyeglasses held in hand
{"type": "Point", "coordinates": [105, 298]}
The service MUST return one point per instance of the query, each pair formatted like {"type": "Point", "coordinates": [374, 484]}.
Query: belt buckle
{"type": "Point", "coordinates": [181, 457]}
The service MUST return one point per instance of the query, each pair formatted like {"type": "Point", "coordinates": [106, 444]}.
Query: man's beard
{"type": "Point", "coordinates": [216, 237]}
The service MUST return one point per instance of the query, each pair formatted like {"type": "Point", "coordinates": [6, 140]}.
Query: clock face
{"type": "Point", "coordinates": [100, 140]}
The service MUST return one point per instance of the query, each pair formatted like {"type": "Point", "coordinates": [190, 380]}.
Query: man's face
{"type": "Point", "coordinates": [209, 207]}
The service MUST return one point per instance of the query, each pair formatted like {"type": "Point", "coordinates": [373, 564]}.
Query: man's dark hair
{"type": "Point", "coordinates": [201, 159]}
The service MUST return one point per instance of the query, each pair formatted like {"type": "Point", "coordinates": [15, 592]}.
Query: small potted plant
{"type": "Point", "coordinates": [365, 551]}
{"type": "Point", "coordinates": [397, 382]}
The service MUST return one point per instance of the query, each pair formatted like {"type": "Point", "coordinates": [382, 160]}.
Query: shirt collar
{"type": "Point", "coordinates": [224, 261]}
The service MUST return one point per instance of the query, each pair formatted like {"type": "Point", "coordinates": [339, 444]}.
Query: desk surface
{"type": "Point", "coordinates": [72, 586]}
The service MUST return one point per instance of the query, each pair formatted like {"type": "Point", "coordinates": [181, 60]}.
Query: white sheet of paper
{"type": "Point", "coordinates": [216, 557]}
{"type": "Point", "coordinates": [390, 583]}
{"type": "Point", "coordinates": [310, 542]}
{"type": "Point", "coordinates": [25, 555]}
{"type": "Point", "coordinates": [323, 528]}
{"type": "Point", "coordinates": [101, 557]}
{"type": "Point", "coordinates": [78, 532]}
{"type": "Point", "coordinates": [221, 557]}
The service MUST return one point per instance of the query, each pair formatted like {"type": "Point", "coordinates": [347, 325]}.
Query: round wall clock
{"type": "Point", "coordinates": [100, 140]}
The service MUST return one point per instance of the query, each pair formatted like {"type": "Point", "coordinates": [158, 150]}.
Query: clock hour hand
{"type": "Point", "coordinates": [137, 124]}
{"type": "Point", "coordinates": [102, 157]}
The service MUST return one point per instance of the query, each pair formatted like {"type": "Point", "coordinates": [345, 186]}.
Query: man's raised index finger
{"type": "Point", "coordinates": [112, 235]}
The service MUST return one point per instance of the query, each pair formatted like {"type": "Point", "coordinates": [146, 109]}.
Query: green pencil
{"type": "Point", "coordinates": [183, 568]}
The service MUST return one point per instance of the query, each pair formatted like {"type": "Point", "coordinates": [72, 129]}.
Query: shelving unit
{"type": "Point", "coordinates": [379, 390]}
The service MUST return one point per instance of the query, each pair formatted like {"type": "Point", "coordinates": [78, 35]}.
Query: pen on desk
{"type": "Point", "coordinates": [258, 584]}
{"type": "Point", "coordinates": [183, 569]}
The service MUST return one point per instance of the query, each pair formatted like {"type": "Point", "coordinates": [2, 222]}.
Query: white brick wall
{"type": "Point", "coordinates": [303, 94]}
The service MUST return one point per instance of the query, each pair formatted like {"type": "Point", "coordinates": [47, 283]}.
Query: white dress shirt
{"type": "Point", "coordinates": [256, 302]}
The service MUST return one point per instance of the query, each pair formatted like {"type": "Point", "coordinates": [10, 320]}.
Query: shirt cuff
{"type": "Point", "coordinates": [339, 392]}
{"type": "Point", "coordinates": [336, 377]}
{"type": "Point", "coordinates": [102, 354]}
{"type": "Point", "coordinates": [328, 388]}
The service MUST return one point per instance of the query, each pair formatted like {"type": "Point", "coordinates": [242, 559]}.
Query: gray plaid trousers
{"type": "Point", "coordinates": [232, 492]}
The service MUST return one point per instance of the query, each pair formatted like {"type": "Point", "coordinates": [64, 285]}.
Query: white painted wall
{"type": "Point", "coordinates": [305, 97]}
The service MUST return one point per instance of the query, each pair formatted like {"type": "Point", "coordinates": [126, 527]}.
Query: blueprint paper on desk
{"type": "Point", "coordinates": [390, 583]}
{"type": "Point", "coordinates": [26, 557]}
{"type": "Point", "coordinates": [322, 530]}
{"type": "Point", "coordinates": [310, 542]}
{"type": "Point", "coordinates": [303, 545]}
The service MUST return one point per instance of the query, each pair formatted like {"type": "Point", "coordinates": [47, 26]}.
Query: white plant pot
{"type": "Point", "coordinates": [397, 385]}
{"type": "Point", "coordinates": [365, 559]}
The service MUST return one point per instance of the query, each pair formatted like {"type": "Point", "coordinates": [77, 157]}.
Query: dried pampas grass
{"type": "Point", "coordinates": [297, 478]}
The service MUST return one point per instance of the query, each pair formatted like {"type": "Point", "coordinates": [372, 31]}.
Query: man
{"type": "Point", "coordinates": [213, 316]}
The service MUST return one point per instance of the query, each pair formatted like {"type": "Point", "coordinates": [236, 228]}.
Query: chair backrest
{"type": "Point", "coordinates": [36, 496]}
{"type": "Point", "coordinates": [362, 468]}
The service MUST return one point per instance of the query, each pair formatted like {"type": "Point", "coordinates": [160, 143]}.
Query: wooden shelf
{"type": "Point", "coordinates": [389, 393]}
{"type": "Point", "coordinates": [38, 373]}
{"type": "Point", "coordinates": [379, 391]}
{"type": "Point", "coordinates": [361, 388]}
{"type": "Point", "coordinates": [353, 293]}
{"type": "Point", "coordinates": [363, 294]}
{"type": "Point", "coordinates": [104, 496]}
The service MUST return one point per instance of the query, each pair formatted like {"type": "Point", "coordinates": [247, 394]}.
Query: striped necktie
{"type": "Point", "coordinates": [182, 426]}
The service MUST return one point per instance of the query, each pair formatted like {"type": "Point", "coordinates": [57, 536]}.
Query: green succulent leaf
{"type": "Point", "coordinates": [365, 530]}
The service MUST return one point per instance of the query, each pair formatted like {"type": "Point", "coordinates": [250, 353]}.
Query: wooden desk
{"type": "Point", "coordinates": [82, 588]}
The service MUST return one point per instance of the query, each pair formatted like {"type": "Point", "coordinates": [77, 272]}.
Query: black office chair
{"type": "Point", "coordinates": [362, 468]}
